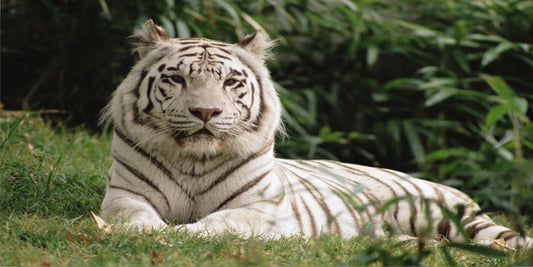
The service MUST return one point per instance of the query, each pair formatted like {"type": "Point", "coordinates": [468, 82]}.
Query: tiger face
{"type": "Point", "coordinates": [200, 93]}
{"type": "Point", "coordinates": [205, 96]}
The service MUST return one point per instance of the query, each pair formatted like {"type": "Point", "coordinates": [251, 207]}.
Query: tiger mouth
{"type": "Point", "coordinates": [203, 131]}
{"type": "Point", "coordinates": [197, 135]}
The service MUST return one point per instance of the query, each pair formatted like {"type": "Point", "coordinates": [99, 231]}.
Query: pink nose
{"type": "Point", "coordinates": [205, 114]}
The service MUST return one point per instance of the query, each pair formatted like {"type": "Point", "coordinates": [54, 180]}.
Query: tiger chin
{"type": "Point", "coordinates": [193, 148]}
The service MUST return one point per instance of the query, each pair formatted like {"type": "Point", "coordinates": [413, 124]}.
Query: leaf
{"type": "Point", "coordinates": [499, 86]}
{"type": "Point", "coordinates": [447, 153]}
{"type": "Point", "coordinates": [183, 30]}
{"type": "Point", "coordinates": [494, 114]}
{"type": "Point", "coordinates": [438, 83]}
{"type": "Point", "coordinates": [493, 53]}
{"type": "Point", "coordinates": [521, 104]}
{"type": "Point", "coordinates": [372, 54]}
{"type": "Point", "coordinates": [408, 83]}
{"type": "Point", "coordinates": [418, 30]}
{"type": "Point", "coordinates": [415, 143]}
{"type": "Point", "coordinates": [438, 97]}
{"type": "Point", "coordinates": [156, 257]}
{"type": "Point", "coordinates": [230, 9]}
{"type": "Point", "coordinates": [101, 223]}
{"type": "Point", "coordinates": [512, 102]}
{"type": "Point", "coordinates": [461, 60]}
{"type": "Point", "coordinates": [46, 262]}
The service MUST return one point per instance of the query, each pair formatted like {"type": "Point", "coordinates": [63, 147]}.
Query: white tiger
{"type": "Point", "coordinates": [194, 128]}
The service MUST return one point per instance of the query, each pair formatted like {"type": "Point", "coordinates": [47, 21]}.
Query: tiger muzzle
{"type": "Point", "coordinates": [205, 114]}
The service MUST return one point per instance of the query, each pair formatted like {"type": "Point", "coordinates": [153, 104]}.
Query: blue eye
{"type": "Point", "coordinates": [230, 82]}
{"type": "Point", "coordinates": [177, 79]}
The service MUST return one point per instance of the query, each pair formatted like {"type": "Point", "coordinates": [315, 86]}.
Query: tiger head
{"type": "Point", "coordinates": [197, 97]}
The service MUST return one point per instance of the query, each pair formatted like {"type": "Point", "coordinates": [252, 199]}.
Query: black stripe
{"type": "Point", "coordinates": [267, 148]}
{"type": "Point", "coordinates": [187, 41]}
{"type": "Point", "coordinates": [221, 56]}
{"type": "Point", "coordinates": [374, 201]}
{"type": "Point", "coordinates": [252, 95]}
{"type": "Point", "coordinates": [311, 217]}
{"type": "Point", "coordinates": [243, 189]}
{"type": "Point", "coordinates": [192, 55]}
{"type": "Point", "coordinates": [153, 160]}
{"type": "Point", "coordinates": [293, 204]}
{"type": "Point", "coordinates": [474, 229]}
{"type": "Point", "coordinates": [507, 234]}
{"type": "Point", "coordinates": [412, 218]}
{"type": "Point", "coordinates": [297, 214]}
{"type": "Point", "coordinates": [136, 93]}
{"type": "Point", "coordinates": [143, 178]}
{"type": "Point", "coordinates": [148, 90]}
{"type": "Point", "coordinates": [349, 193]}
{"type": "Point", "coordinates": [247, 109]}
{"type": "Point", "coordinates": [234, 71]}
{"type": "Point", "coordinates": [262, 107]}
{"type": "Point", "coordinates": [161, 67]}
{"type": "Point", "coordinates": [187, 48]}
{"type": "Point", "coordinates": [319, 198]}
{"type": "Point", "coordinates": [408, 179]}
{"type": "Point", "coordinates": [343, 196]}
{"type": "Point", "coordinates": [224, 50]}
{"type": "Point", "coordinates": [340, 191]}
{"type": "Point", "coordinates": [138, 195]}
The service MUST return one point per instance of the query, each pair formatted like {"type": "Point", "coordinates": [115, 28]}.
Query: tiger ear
{"type": "Point", "coordinates": [148, 36]}
{"type": "Point", "coordinates": [258, 44]}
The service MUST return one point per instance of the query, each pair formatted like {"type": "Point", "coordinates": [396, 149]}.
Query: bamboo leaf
{"type": "Point", "coordinates": [521, 105]}
{"type": "Point", "coordinates": [494, 114]}
{"type": "Point", "coordinates": [183, 29]}
{"type": "Point", "coordinates": [438, 97]}
{"type": "Point", "coordinates": [372, 54]}
{"type": "Point", "coordinates": [499, 86]}
{"type": "Point", "coordinates": [415, 143]}
{"type": "Point", "coordinates": [493, 53]}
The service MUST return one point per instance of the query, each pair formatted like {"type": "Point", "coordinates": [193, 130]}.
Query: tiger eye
{"type": "Point", "coordinates": [230, 82]}
{"type": "Point", "coordinates": [177, 79]}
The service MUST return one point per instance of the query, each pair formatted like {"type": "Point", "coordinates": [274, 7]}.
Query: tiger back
{"type": "Point", "coordinates": [193, 146]}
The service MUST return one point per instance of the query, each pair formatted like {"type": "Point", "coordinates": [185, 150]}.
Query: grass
{"type": "Point", "coordinates": [52, 177]}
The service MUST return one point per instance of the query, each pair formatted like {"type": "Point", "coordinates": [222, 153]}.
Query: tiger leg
{"type": "Point", "coordinates": [129, 210]}
{"type": "Point", "coordinates": [245, 222]}
{"type": "Point", "coordinates": [484, 231]}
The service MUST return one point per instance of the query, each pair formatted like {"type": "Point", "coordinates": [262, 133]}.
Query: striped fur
{"type": "Point", "coordinates": [194, 128]}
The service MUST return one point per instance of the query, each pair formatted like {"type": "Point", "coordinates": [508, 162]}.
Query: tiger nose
{"type": "Point", "coordinates": [205, 114]}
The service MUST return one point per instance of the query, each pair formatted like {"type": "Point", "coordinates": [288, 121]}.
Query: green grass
{"type": "Point", "coordinates": [51, 178]}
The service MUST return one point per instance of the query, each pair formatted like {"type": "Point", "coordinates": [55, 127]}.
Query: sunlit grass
{"type": "Point", "coordinates": [53, 177]}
